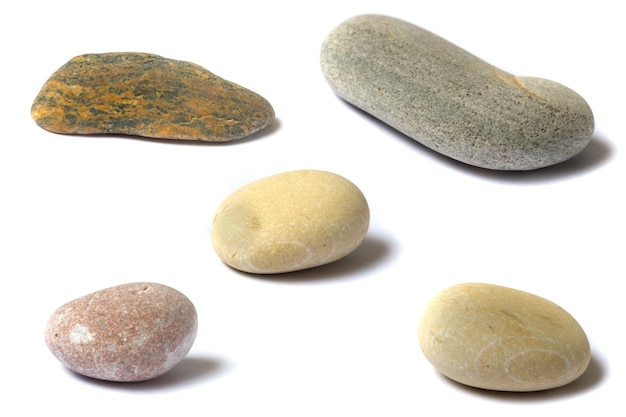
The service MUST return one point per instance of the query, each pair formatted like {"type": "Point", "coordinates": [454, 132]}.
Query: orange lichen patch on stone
{"type": "Point", "coordinates": [147, 95]}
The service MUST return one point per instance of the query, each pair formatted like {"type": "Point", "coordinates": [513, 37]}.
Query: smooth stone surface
{"type": "Point", "coordinates": [127, 333]}
{"type": "Point", "coordinates": [290, 221]}
{"type": "Point", "coordinates": [147, 95]}
{"type": "Point", "coordinates": [451, 101]}
{"type": "Point", "coordinates": [499, 338]}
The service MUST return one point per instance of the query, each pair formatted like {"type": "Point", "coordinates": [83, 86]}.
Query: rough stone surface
{"type": "Point", "coordinates": [290, 221]}
{"type": "Point", "coordinates": [498, 338]}
{"type": "Point", "coordinates": [147, 95]}
{"type": "Point", "coordinates": [127, 333]}
{"type": "Point", "coordinates": [451, 101]}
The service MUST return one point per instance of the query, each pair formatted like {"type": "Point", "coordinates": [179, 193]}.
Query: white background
{"type": "Point", "coordinates": [81, 213]}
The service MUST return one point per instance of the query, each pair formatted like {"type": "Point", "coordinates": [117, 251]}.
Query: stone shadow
{"type": "Point", "coordinates": [598, 152]}
{"type": "Point", "coordinates": [372, 251]}
{"type": "Point", "coordinates": [190, 370]}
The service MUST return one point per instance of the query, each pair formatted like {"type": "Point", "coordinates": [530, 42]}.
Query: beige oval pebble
{"type": "Point", "coordinates": [290, 221]}
{"type": "Point", "coordinates": [131, 332]}
{"type": "Point", "coordinates": [498, 338]}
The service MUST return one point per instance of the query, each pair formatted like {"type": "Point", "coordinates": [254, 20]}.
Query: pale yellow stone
{"type": "Point", "coordinates": [290, 221]}
{"type": "Point", "coordinates": [498, 338]}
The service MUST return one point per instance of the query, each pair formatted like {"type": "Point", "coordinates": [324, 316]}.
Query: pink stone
{"type": "Point", "coordinates": [131, 332]}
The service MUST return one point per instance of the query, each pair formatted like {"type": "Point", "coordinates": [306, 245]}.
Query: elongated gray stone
{"type": "Point", "coordinates": [452, 101]}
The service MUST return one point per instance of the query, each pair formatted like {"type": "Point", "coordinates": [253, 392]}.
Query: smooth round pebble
{"type": "Point", "coordinates": [498, 338]}
{"type": "Point", "coordinates": [290, 221]}
{"type": "Point", "coordinates": [127, 333]}
{"type": "Point", "coordinates": [452, 101]}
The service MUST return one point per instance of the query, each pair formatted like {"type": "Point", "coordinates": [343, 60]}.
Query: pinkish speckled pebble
{"type": "Point", "coordinates": [131, 332]}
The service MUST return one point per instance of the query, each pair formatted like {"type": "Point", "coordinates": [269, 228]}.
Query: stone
{"type": "Point", "coordinates": [502, 339]}
{"type": "Point", "coordinates": [127, 333]}
{"type": "Point", "coordinates": [290, 221]}
{"type": "Point", "coordinates": [452, 101]}
{"type": "Point", "coordinates": [147, 95]}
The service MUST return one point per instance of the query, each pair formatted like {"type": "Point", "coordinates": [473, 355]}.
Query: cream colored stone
{"type": "Point", "coordinates": [498, 338]}
{"type": "Point", "coordinates": [290, 221]}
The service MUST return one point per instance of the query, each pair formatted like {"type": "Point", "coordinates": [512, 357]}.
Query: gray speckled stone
{"type": "Point", "coordinates": [451, 101]}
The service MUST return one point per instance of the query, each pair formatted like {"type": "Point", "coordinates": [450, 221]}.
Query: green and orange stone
{"type": "Point", "coordinates": [147, 95]}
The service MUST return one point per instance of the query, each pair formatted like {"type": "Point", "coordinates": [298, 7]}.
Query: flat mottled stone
{"type": "Point", "coordinates": [450, 100]}
{"type": "Point", "coordinates": [147, 95]}
{"type": "Point", "coordinates": [499, 338]}
{"type": "Point", "coordinates": [290, 221]}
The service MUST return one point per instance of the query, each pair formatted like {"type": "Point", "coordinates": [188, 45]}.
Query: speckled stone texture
{"type": "Point", "coordinates": [451, 101]}
{"type": "Point", "coordinates": [127, 333]}
{"type": "Point", "coordinates": [147, 95]}
{"type": "Point", "coordinates": [499, 338]}
{"type": "Point", "coordinates": [290, 221]}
